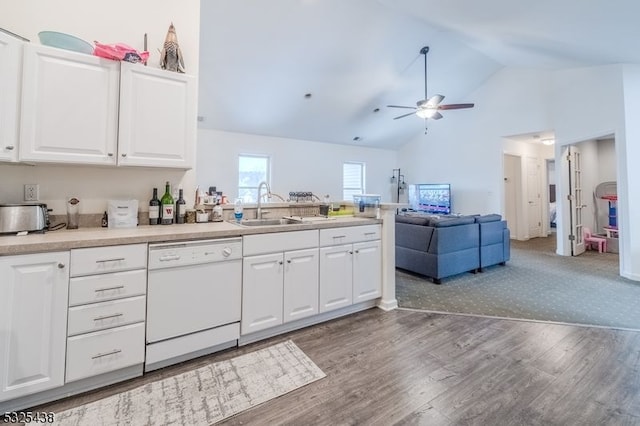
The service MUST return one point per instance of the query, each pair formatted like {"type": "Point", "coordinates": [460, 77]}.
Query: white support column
{"type": "Point", "coordinates": [388, 300]}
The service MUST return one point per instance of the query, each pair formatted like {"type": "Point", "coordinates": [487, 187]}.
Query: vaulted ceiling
{"type": "Point", "coordinates": [260, 58]}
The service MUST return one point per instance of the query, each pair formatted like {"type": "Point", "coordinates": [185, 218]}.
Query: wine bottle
{"type": "Point", "coordinates": [154, 208]}
{"type": "Point", "coordinates": [181, 208]}
{"type": "Point", "coordinates": [167, 207]}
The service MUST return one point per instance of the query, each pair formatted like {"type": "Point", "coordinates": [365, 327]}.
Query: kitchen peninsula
{"type": "Point", "coordinates": [87, 290]}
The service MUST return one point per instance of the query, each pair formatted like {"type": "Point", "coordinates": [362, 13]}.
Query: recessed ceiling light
{"type": "Point", "coordinates": [548, 141]}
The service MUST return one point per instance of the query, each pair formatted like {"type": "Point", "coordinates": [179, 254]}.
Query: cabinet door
{"type": "Point", "coordinates": [10, 72]}
{"type": "Point", "coordinates": [69, 107]}
{"type": "Point", "coordinates": [261, 292]}
{"type": "Point", "coordinates": [367, 271]}
{"type": "Point", "coordinates": [300, 284]}
{"type": "Point", "coordinates": [336, 269]}
{"type": "Point", "coordinates": [33, 322]}
{"type": "Point", "coordinates": [158, 117]}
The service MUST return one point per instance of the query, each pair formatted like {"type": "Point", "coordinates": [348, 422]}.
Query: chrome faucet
{"type": "Point", "coordinates": [259, 209]}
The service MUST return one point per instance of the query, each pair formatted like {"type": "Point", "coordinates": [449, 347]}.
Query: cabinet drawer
{"type": "Point", "coordinates": [100, 260]}
{"type": "Point", "coordinates": [103, 315]}
{"type": "Point", "coordinates": [99, 288]}
{"type": "Point", "coordinates": [351, 234]}
{"type": "Point", "coordinates": [279, 241]}
{"type": "Point", "coordinates": [104, 351]}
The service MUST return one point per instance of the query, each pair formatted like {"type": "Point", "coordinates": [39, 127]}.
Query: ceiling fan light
{"type": "Point", "coordinates": [426, 112]}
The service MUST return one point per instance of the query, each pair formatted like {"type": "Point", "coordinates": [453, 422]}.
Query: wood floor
{"type": "Point", "coordinates": [414, 368]}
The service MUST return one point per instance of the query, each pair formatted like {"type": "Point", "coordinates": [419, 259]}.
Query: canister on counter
{"type": "Point", "coordinates": [190, 216]}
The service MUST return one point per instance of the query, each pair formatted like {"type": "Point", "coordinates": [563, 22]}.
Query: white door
{"type": "Point", "coordinates": [33, 322]}
{"type": "Point", "coordinates": [301, 284]}
{"type": "Point", "coordinates": [10, 77]}
{"type": "Point", "coordinates": [576, 200]}
{"type": "Point", "coordinates": [158, 118]}
{"type": "Point", "coordinates": [69, 107]}
{"type": "Point", "coordinates": [261, 292]}
{"type": "Point", "coordinates": [367, 271]}
{"type": "Point", "coordinates": [336, 277]}
{"type": "Point", "coordinates": [534, 205]}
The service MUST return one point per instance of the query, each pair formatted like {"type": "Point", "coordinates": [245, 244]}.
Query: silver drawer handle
{"type": "Point", "coordinates": [369, 233]}
{"type": "Point", "coordinates": [117, 259]}
{"type": "Point", "coordinates": [113, 352]}
{"type": "Point", "coordinates": [9, 148]}
{"type": "Point", "coordinates": [340, 236]}
{"type": "Point", "coordinates": [107, 317]}
{"type": "Point", "coordinates": [109, 288]}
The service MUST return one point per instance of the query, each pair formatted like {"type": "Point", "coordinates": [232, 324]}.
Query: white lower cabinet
{"type": "Point", "coordinates": [107, 310]}
{"type": "Point", "coordinates": [33, 321]}
{"type": "Point", "coordinates": [280, 286]}
{"type": "Point", "coordinates": [350, 272]}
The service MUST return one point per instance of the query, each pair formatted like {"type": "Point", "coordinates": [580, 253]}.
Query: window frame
{"type": "Point", "coordinates": [346, 191]}
{"type": "Point", "coordinates": [253, 189]}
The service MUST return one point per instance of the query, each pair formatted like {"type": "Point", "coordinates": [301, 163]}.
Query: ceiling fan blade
{"type": "Point", "coordinates": [455, 106]}
{"type": "Point", "coordinates": [436, 116]}
{"type": "Point", "coordinates": [435, 100]}
{"type": "Point", "coordinates": [400, 106]}
{"type": "Point", "coordinates": [404, 115]}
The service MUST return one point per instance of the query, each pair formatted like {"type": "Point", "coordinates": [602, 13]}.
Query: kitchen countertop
{"type": "Point", "coordinates": [97, 237]}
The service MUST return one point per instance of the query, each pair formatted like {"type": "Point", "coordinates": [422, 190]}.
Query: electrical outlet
{"type": "Point", "coordinates": [31, 192]}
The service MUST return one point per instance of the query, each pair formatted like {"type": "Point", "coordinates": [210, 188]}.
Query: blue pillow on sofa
{"type": "Point", "coordinates": [442, 222]}
{"type": "Point", "coordinates": [488, 218]}
{"type": "Point", "coordinates": [414, 220]}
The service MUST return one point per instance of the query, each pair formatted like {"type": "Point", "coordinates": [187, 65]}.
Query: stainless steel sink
{"type": "Point", "coordinates": [267, 222]}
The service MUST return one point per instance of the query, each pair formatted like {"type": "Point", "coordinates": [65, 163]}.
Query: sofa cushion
{"type": "Point", "coordinates": [488, 218]}
{"type": "Point", "coordinates": [414, 220]}
{"type": "Point", "coordinates": [443, 222]}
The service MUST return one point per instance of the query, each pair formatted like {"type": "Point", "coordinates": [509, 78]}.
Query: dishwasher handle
{"type": "Point", "coordinates": [169, 257]}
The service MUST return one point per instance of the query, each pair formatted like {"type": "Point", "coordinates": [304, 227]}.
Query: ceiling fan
{"type": "Point", "coordinates": [429, 107]}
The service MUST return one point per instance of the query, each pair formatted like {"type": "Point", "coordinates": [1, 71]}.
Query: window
{"type": "Point", "coordinates": [252, 169]}
{"type": "Point", "coordinates": [352, 180]}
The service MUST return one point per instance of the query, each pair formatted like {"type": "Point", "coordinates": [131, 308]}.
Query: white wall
{"type": "Point", "coordinates": [296, 165]}
{"type": "Point", "coordinates": [112, 22]}
{"type": "Point", "coordinates": [465, 147]}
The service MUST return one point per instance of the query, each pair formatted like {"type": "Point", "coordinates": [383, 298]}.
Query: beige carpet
{"type": "Point", "coordinates": [206, 395]}
{"type": "Point", "coordinates": [536, 284]}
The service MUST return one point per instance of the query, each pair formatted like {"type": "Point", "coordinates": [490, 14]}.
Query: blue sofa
{"type": "Point", "coordinates": [439, 247]}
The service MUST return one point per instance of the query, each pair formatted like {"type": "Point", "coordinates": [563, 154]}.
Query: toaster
{"type": "Point", "coordinates": [16, 218]}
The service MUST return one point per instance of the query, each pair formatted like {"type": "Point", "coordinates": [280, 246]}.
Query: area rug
{"type": "Point", "coordinates": [206, 395]}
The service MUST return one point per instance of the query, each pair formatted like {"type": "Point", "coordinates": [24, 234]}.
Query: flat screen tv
{"type": "Point", "coordinates": [434, 198]}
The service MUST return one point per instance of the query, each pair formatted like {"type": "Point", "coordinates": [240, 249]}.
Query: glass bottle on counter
{"type": "Point", "coordinates": [181, 208]}
{"type": "Point", "coordinates": [167, 210]}
{"type": "Point", "coordinates": [154, 208]}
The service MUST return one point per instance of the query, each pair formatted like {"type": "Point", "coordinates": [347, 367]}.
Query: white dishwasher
{"type": "Point", "coordinates": [194, 296]}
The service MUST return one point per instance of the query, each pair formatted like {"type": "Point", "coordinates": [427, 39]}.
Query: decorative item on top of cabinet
{"type": "Point", "coordinates": [171, 58]}
{"type": "Point", "coordinates": [10, 72]}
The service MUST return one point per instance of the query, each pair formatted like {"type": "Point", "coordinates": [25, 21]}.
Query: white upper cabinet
{"type": "Point", "coordinates": [158, 117]}
{"type": "Point", "coordinates": [10, 77]}
{"type": "Point", "coordinates": [69, 107]}
{"type": "Point", "coordinates": [82, 109]}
